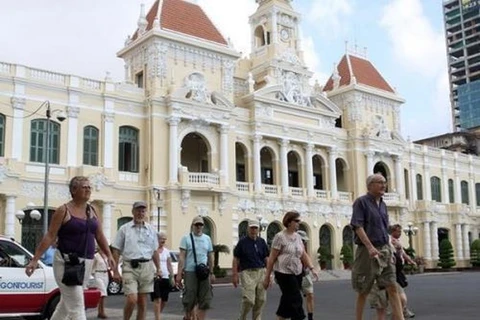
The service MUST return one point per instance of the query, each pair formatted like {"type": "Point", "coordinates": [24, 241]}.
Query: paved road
{"type": "Point", "coordinates": [445, 296]}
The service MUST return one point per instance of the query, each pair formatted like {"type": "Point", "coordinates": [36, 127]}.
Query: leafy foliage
{"type": "Point", "coordinates": [324, 254]}
{"type": "Point", "coordinates": [346, 254]}
{"type": "Point", "coordinates": [475, 253]}
{"type": "Point", "coordinates": [446, 260]}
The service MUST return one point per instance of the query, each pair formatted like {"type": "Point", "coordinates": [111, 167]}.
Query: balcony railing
{"type": "Point", "coordinates": [391, 197]}
{"type": "Point", "coordinates": [296, 192]}
{"type": "Point", "coordinates": [270, 189]}
{"type": "Point", "coordinates": [344, 196]}
{"type": "Point", "coordinates": [322, 194]}
{"type": "Point", "coordinates": [243, 186]}
{"type": "Point", "coordinates": [202, 178]}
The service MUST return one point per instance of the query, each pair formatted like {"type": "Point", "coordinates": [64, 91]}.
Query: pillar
{"type": "Point", "coordinates": [257, 171]}
{"type": "Point", "coordinates": [458, 241]}
{"type": "Point", "coordinates": [427, 244]}
{"type": "Point", "coordinates": [333, 173]}
{"type": "Point", "coordinates": [434, 237]}
{"type": "Point", "coordinates": [173, 150]}
{"type": "Point", "coordinates": [10, 216]}
{"type": "Point", "coordinates": [309, 169]}
{"type": "Point", "coordinates": [284, 166]}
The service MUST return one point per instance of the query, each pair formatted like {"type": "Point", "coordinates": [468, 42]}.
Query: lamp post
{"type": "Point", "coordinates": [158, 196]}
{"type": "Point", "coordinates": [34, 215]}
{"type": "Point", "coordinates": [410, 231]}
{"type": "Point", "coordinates": [60, 117]}
{"type": "Point", "coordinates": [263, 223]}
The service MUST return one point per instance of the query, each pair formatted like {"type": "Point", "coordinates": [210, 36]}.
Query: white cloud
{"type": "Point", "coordinates": [329, 15]}
{"type": "Point", "coordinates": [415, 42]}
{"type": "Point", "coordinates": [234, 26]}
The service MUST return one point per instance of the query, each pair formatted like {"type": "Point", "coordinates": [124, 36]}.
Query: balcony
{"type": "Point", "coordinates": [243, 186]}
{"type": "Point", "coordinates": [297, 192]}
{"type": "Point", "coordinates": [345, 196]}
{"type": "Point", "coordinates": [322, 194]}
{"type": "Point", "coordinates": [270, 189]}
{"type": "Point", "coordinates": [199, 179]}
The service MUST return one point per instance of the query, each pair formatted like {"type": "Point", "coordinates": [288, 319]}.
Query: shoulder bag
{"type": "Point", "coordinates": [201, 270]}
{"type": "Point", "coordinates": [74, 268]}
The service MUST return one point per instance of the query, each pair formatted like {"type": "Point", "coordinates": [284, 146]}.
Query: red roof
{"type": "Point", "coordinates": [363, 71]}
{"type": "Point", "coordinates": [184, 17]}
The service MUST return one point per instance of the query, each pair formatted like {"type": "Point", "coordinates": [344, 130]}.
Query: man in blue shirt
{"type": "Point", "coordinates": [250, 258]}
{"type": "Point", "coordinates": [373, 258]}
{"type": "Point", "coordinates": [196, 291]}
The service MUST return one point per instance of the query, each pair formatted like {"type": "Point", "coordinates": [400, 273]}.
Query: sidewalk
{"type": "Point", "coordinates": [118, 314]}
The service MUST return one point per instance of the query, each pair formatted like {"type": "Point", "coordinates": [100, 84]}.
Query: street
{"type": "Point", "coordinates": [432, 296]}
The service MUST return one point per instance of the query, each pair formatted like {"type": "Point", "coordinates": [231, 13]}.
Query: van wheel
{"type": "Point", "coordinates": [52, 305]}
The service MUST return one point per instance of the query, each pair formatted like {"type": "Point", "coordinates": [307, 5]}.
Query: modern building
{"type": "Point", "coordinates": [194, 129]}
{"type": "Point", "coordinates": [462, 35]}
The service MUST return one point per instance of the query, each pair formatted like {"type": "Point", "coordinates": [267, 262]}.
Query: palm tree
{"type": "Point", "coordinates": [217, 249]}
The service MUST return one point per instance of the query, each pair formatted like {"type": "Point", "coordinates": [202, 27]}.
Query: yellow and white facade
{"type": "Point", "coordinates": [196, 130]}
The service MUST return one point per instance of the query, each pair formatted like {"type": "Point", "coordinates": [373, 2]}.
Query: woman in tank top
{"type": "Point", "coordinates": [75, 226]}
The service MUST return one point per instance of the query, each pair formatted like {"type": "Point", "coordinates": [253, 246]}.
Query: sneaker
{"type": "Point", "coordinates": [408, 313]}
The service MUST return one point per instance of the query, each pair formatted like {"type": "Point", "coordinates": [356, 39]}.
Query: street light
{"type": "Point", "coordinates": [28, 238]}
{"type": "Point", "coordinates": [61, 116]}
{"type": "Point", "coordinates": [410, 231]}
{"type": "Point", "coordinates": [34, 214]}
{"type": "Point", "coordinates": [158, 195]}
{"type": "Point", "coordinates": [263, 223]}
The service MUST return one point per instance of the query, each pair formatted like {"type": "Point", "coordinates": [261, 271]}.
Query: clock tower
{"type": "Point", "coordinates": [276, 48]}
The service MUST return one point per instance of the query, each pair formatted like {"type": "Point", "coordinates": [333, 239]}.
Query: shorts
{"type": "Point", "coordinates": [367, 270]}
{"type": "Point", "coordinates": [138, 280]}
{"type": "Point", "coordinates": [378, 298]}
{"type": "Point", "coordinates": [196, 292]}
{"type": "Point", "coordinates": [307, 283]}
{"type": "Point", "coordinates": [161, 289]}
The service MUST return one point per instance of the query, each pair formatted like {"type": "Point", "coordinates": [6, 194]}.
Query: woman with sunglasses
{"type": "Point", "coordinates": [287, 258]}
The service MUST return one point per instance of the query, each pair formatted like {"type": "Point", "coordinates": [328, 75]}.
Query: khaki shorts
{"type": "Point", "coordinates": [307, 283]}
{"type": "Point", "coordinates": [366, 270]}
{"type": "Point", "coordinates": [378, 299]}
{"type": "Point", "coordinates": [138, 280]}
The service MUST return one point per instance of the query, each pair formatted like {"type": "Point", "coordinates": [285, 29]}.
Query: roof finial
{"type": "Point", "coordinates": [336, 76]}
{"type": "Point", "coordinates": [142, 20]}
{"type": "Point", "coordinates": [156, 23]}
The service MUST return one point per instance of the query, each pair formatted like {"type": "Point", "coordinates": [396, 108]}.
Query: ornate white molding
{"type": "Point", "coordinates": [98, 180]}
{"type": "Point", "coordinates": [35, 190]}
{"type": "Point", "coordinates": [108, 116]}
{"type": "Point", "coordinates": [73, 111]}
{"type": "Point", "coordinates": [185, 200]}
{"type": "Point", "coordinates": [18, 103]}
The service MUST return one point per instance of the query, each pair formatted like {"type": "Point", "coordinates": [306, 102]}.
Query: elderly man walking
{"type": "Point", "coordinates": [250, 258]}
{"type": "Point", "coordinates": [373, 257]}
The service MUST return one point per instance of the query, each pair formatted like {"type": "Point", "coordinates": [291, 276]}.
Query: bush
{"type": "Point", "coordinates": [475, 253]}
{"type": "Point", "coordinates": [324, 255]}
{"type": "Point", "coordinates": [346, 254]}
{"type": "Point", "coordinates": [219, 272]}
{"type": "Point", "coordinates": [446, 260]}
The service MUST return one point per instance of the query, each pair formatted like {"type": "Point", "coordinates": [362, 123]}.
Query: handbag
{"type": "Point", "coordinates": [74, 272]}
{"type": "Point", "coordinates": [201, 269]}
{"type": "Point", "coordinates": [400, 275]}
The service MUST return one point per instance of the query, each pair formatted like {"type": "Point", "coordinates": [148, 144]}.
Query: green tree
{"type": "Point", "coordinates": [324, 256]}
{"type": "Point", "coordinates": [346, 255]}
{"type": "Point", "coordinates": [217, 249]}
{"type": "Point", "coordinates": [475, 253]}
{"type": "Point", "coordinates": [446, 260]}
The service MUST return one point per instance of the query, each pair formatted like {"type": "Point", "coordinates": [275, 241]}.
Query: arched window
{"type": "Point", "coordinates": [128, 149]}
{"type": "Point", "coordinates": [38, 131]}
{"type": "Point", "coordinates": [435, 184]}
{"type": "Point", "coordinates": [419, 187]}
{"type": "Point", "coordinates": [451, 193]}
{"type": "Point", "coordinates": [464, 189]}
{"type": "Point", "coordinates": [90, 146]}
{"type": "Point", "coordinates": [2, 135]}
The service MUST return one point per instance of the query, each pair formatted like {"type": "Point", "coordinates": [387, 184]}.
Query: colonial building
{"type": "Point", "coordinates": [194, 129]}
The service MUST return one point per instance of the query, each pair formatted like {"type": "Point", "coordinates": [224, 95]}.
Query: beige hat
{"type": "Point", "coordinates": [139, 204]}
{"type": "Point", "coordinates": [253, 223]}
{"type": "Point", "coordinates": [198, 219]}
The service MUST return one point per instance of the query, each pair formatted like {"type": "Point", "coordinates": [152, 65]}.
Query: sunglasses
{"type": "Point", "coordinates": [198, 224]}
{"type": "Point", "coordinates": [297, 220]}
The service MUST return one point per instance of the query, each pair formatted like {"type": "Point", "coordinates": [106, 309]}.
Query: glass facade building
{"type": "Point", "coordinates": [462, 35]}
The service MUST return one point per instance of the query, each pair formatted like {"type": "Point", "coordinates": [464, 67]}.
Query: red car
{"type": "Point", "coordinates": [34, 297]}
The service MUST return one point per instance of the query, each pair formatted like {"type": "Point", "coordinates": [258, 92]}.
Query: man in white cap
{"type": "Point", "coordinates": [197, 267]}
{"type": "Point", "coordinates": [250, 259]}
{"type": "Point", "coordinates": [307, 281]}
{"type": "Point", "coordinates": [137, 241]}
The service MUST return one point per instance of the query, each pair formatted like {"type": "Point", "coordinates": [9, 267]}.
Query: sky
{"type": "Point", "coordinates": [404, 39]}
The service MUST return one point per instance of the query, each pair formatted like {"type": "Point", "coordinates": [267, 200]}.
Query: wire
{"type": "Point", "coordinates": [29, 114]}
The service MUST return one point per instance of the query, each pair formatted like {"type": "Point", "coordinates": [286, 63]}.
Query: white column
{"type": "Point", "coordinates": [107, 220]}
{"type": "Point", "coordinates": [413, 183]}
{"type": "Point", "coordinates": [434, 237]}
{"type": "Point", "coordinates": [458, 241]}
{"type": "Point", "coordinates": [471, 190]}
{"type": "Point", "coordinates": [333, 173]}
{"type": "Point", "coordinates": [173, 150]}
{"type": "Point", "coordinates": [18, 105]}
{"type": "Point", "coordinates": [458, 188]}
{"type": "Point", "coordinates": [108, 118]}
{"type": "Point", "coordinates": [445, 193]}
{"type": "Point", "coordinates": [274, 26]}
{"type": "Point", "coordinates": [466, 242]}
{"type": "Point", "coordinates": [72, 136]}
{"type": "Point", "coordinates": [284, 166]}
{"type": "Point", "coordinates": [398, 176]}
{"type": "Point", "coordinates": [224, 158]}
{"type": "Point", "coordinates": [427, 244]}
{"type": "Point", "coordinates": [257, 170]}
{"type": "Point", "coordinates": [369, 155]}
{"type": "Point", "coordinates": [309, 169]}
{"type": "Point", "coordinates": [10, 216]}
